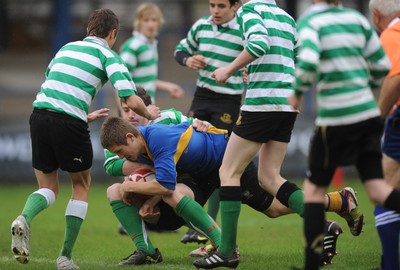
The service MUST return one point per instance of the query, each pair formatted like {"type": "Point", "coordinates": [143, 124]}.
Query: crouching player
{"type": "Point", "coordinates": [173, 149]}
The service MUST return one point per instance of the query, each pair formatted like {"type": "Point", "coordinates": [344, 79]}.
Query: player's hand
{"type": "Point", "coordinates": [154, 112]}
{"type": "Point", "coordinates": [201, 126]}
{"type": "Point", "coordinates": [221, 75]}
{"type": "Point", "coordinates": [126, 195]}
{"type": "Point", "coordinates": [245, 75]}
{"type": "Point", "coordinates": [148, 210]}
{"type": "Point", "coordinates": [174, 90]}
{"type": "Point", "coordinates": [294, 101]}
{"type": "Point", "coordinates": [196, 62]}
{"type": "Point", "coordinates": [101, 113]}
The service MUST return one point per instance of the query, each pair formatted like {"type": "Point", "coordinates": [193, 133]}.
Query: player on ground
{"type": "Point", "coordinates": [252, 195]}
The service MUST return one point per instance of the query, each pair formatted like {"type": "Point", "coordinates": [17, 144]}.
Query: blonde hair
{"type": "Point", "coordinates": [146, 9]}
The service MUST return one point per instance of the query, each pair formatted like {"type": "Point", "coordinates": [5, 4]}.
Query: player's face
{"type": "Point", "coordinates": [131, 151]}
{"type": "Point", "coordinates": [221, 11]}
{"type": "Point", "coordinates": [132, 117]}
{"type": "Point", "coordinates": [149, 26]}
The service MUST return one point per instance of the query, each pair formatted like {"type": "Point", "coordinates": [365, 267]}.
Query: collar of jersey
{"type": "Point", "coordinates": [97, 40]}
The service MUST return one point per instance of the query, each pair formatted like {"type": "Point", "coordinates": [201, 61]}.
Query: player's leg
{"type": "Point", "coordinates": [314, 222]}
{"type": "Point", "coordinates": [75, 214]}
{"type": "Point", "coordinates": [320, 173]}
{"type": "Point", "coordinates": [194, 215]}
{"type": "Point", "coordinates": [369, 166]}
{"type": "Point", "coordinates": [387, 221]}
{"type": "Point", "coordinates": [35, 203]}
{"type": "Point", "coordinates": [270, 160]}
{"type": "Point", "coordinates": [238, 155]}
{"type": "Point", "coordinates": [129, 217]}
{"type": "Point", "coordinates": [74, 153]}
{"type": "Point", "coordinates": [45, 166]}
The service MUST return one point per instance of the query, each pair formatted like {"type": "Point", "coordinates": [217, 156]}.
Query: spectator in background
{"type": "Point", "coordinates": [340, 50]}
{"type": "Point", "coordinates": [385, 14]}
{"type": "Point", "coordinates": [59, 129]}
{"type": "Point", "coordinates": [140, 52]}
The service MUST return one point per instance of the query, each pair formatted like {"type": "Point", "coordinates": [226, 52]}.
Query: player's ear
{"type": "Point", "coordinates": [130, 138]}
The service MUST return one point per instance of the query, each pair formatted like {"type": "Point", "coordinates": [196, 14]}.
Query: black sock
{"type": "Point", "coordinates": [393, 201]}
{"type": "Point", "coordinates": [314, 223]}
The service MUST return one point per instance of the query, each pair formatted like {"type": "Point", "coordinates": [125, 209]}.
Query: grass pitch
{"type": "Point", "coordinates": [264, 243]}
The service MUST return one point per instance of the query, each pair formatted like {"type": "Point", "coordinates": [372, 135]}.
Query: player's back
{"type": "Point", "coordinates": [340, 46]}
{"type": "Point", "coordinates": [74, 76]}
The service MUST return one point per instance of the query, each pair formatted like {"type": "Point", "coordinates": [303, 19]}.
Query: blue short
{"type": "Point", "coordinates": [391, 139]}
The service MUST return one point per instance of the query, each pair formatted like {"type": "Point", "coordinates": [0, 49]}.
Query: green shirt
{"type": "Point", "coordinates": [270, 36]}
{"type": "Point", "coordinates": [141, 58]}
{"type": "Point", "coordinates": [342, 53]}
{"type": "Point", "coordinates": [77, 73]}
{"type": "Point", "coordinates": [220, 45]}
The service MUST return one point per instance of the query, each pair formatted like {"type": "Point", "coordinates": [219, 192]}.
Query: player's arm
{"type": "Point", "coordinates": [115, 166]}
{"type": "Point", "coordinates": [390, 93]}
{"type": "Point", "coordinates": [135, 103]}
{"type": "Point", "coordinates": [173, 89]}
{"type": "Point", "coordinates": [100, 113]}
{"type": "Point", "coordinates": [151, 188]}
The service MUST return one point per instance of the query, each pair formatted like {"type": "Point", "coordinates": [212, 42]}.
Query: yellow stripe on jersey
{"type": "Point", "coordinates": [212, 129]}
{"type": "Point", "coordinates": [183, 143]}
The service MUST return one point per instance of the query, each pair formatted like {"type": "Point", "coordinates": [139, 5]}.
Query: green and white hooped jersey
{"type": "Point", "coordinates": [219, 45]}
{"type": "Point", "coordinates": [113, 164]}
{"type": "Point", "coordinates": [77, 72]}
{"type": "Point", "coordinates": [141, 58]}
{"type": "Point", "coordinates": [343, 53]}
{"type": "Point", "coordinates": [270, 36]}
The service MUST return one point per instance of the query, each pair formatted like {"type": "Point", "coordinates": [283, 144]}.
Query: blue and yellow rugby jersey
{"type": "Point", "coordinates": [181, 148]}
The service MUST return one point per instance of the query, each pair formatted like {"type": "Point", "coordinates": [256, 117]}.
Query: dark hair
{"type": "Point", "coordinates": [142, 93]}
{"type": "Point", "coordinates": [232, 2]}
{"type": "Point", "coordinates": [101, 22]}
{"type": "Point", "coordinates": [113, 132]}
{"type": "Point", "coordinates": [335, 2]}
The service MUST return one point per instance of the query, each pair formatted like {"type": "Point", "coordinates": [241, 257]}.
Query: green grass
{"type": "Point", "coordinates": [264, 243]}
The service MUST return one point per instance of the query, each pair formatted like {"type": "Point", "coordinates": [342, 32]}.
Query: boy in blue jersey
{"type": "Point", "coordinates": [173, 149]}
{"type": "Point", "coordinates": [170, 149]}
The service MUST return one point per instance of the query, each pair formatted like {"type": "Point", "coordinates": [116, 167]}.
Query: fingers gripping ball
{"type": "Point", "coordinates": [141, 176]}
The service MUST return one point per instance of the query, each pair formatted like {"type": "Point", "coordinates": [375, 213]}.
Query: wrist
{"type": "Point", "coordinates": [185, 60]}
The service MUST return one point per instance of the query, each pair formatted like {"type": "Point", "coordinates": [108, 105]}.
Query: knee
{"type": "Point", "coordinates": [272, 213]}
{"type": "Point", "coordinates": [113, 192]}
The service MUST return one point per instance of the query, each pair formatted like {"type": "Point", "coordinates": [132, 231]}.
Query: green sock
{"type": "Point", "coordinates": [213, 204]}
{"type": "Point", "coordinates": [296, 202]}
{"type": "Point", "coordinates": [33, 206]}
{"type": "Point", "coordinates": [73, 225]}
{"type": "Point", "coordinates": [130, 219]}
{"type": "Point", "coordinates": [230, 211]}
{"type": "Point", "coordinates": [196, 217]}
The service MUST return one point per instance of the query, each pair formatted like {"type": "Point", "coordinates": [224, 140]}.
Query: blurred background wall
{"type": "Point", "coordinates": [31, 31]}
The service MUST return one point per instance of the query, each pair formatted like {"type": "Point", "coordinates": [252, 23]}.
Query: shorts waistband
{"type": "Point", "coordinates": [205, 92]}
{"type": "Point", "coordinates": [57, 115]}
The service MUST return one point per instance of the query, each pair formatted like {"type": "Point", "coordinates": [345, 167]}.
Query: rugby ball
{"type": "Point", "coordinates": [142, 175]}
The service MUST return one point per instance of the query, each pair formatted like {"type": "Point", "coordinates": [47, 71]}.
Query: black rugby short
{"type": "Point", "coordinates": [265, 126]}
{"type": "Point", "coordinates": [356, 144]}
{"type": "Point", "coordinates": [59, 141]}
